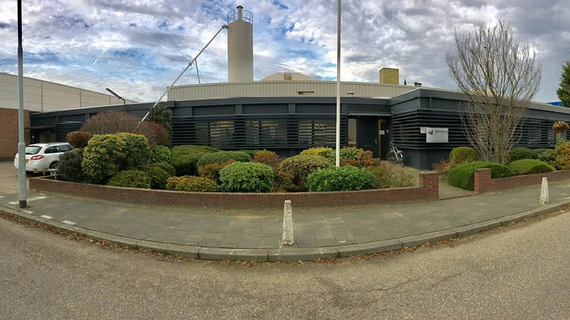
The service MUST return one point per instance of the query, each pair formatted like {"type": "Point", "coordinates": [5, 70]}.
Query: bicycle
{"type": "Point", "coordinates": [395, 155]}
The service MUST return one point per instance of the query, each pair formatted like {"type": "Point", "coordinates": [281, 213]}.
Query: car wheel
{"type": "Point", "coordinates": [53, 165]}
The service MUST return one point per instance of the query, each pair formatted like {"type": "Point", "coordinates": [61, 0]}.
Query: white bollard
{"type": "Point", "coordinates": [544, 191]}
{"type": "Point", "coordinates": [287, 237]}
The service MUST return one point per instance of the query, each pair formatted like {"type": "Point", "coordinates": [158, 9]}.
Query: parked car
{"type": "Point", "coordinates": [43, 156]}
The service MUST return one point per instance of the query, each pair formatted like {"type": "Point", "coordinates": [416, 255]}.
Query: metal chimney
{"type": "Point", "coordinates": [240, 45]}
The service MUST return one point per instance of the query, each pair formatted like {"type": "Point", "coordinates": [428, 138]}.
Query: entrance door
{"type": "Point", "coordinates": [367, 134]}
{"type": "Point", "coordinates": [383, 143]}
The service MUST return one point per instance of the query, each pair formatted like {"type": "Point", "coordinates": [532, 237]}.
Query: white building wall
{"type": "Point", "coordinates": [284, 89]}
{"type": "Point", "coordinates": [44, 96]}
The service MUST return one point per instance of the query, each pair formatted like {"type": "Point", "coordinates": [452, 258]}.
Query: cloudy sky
{"type": "Point", "coordinates": [138, 47]}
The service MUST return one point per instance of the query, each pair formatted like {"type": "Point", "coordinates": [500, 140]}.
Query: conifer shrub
{"type": "Point", "coordinates": [461, 176]}
{"type": "Point", "coordinates": [166, 167]}
{"type": "Point", "coordinates": [247, 177]}
{"type": "Point", "coordinates": [131, 179]}
{"type": "Point", "coordinates": [107, 154]}
{"type": "Point", "coordinates": [529, 166]}
{"type": "Point", "coordinates": [160, 154]}
{"type": "Point", "coordinates": [192, 184]}
{"type": "Point", "coordinates": [319, 151]}
{"type": "Point", "coordinates": [301, 166]}
{"type": "Point", "coordinates": [158, 177]}
{"type": "Point", "coordinates": [69, 165]}
{"type": "Point", "coordinates": [461, 155]}
{"type": "Point", "coordinates": [562, 156]}
{"type": "Point", "coordinates": [345, 178]}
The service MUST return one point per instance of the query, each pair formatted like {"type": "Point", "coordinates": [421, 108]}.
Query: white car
{"type": "Point", "coordinates": [43, 156]}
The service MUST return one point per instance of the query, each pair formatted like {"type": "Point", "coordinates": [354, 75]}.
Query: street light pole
{"type": "Point", "coordinates": [116, 95]}
{"type": "Point", "coordinates": [21, 143]}
{"type": "Point", "coordinates": [337, 154]}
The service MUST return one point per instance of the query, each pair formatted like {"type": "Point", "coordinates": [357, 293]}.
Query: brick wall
{"type": "Point", "coordinates": [428, 190]}
{"type": "Point", "coordinates": [483, 182]}
{"type": "Point", "coordinates": [9, 135]}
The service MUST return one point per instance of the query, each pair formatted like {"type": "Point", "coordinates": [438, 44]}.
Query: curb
{"type": "Point", "coordinates": [294, 254]}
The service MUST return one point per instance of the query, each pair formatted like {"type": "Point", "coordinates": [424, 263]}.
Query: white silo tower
{"type": "Point", "coordinates": [240, 45]}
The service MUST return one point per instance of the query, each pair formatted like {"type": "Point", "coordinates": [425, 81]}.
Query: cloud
{"type": "Point", "coordinates": [139, 47]}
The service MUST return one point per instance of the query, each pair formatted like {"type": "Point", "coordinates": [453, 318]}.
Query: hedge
{"type": "Point", "coordinates": [462, 175]}
{"type": "Point", "coordinates": [530, 166]}
{"type": "Point", "coordinates": [346, 178]}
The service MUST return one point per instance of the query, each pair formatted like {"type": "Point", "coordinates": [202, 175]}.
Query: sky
{"type": "Point", "coordinates": [138, 47]}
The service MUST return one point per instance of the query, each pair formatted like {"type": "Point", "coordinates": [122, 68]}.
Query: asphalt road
{"type": "Point", "coordinates": [519, 272]}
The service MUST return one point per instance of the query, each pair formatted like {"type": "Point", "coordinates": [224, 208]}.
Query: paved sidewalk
{"type": "Point", "coordinates": [254, 234]}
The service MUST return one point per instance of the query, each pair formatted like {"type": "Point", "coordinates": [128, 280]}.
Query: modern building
{"type": "Point", "coordinates": [288, 112]}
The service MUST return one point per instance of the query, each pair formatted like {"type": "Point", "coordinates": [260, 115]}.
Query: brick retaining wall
{"type": "Point", "coordinates": [483, 182]}
{"type": "Point", "coordinates": [428, 190]}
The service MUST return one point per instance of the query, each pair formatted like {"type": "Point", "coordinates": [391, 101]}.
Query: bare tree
{"type": "Point", "coordinates": [499, 77]}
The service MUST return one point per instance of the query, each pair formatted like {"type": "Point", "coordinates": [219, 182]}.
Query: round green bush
{"type": "Point", "coordinates": [461, 155]}
{"type": "Point", "coordinates": [107, 154]}
{"type": "Point", "coordinates": [160, 153]}
{"type": "Point", "coordinates": [251, 153]}
{"type": "Point", "coordinates": [521, 153]}
{"type": "Point", "coordinates": [462, 175]}
{"type": "Point", "coordinates": [346, 178]}
{"type": "Point", "coordinates": [184, 158]}
{"type": "Point", "coordinates": [130, 179]}
{"type": "Point", "coordinates": [223, 157]}
{"type": "Point", "coordinates": [166, 167]}
{"type": "Point", "coordinates": [69, 165]}
{"type": "Point", "coordinates": [247, 177]}
{"type": "Point", "coordinates": [192, 184]}
{"type": "Point", "coordinates": [158, 177]}
{"type": "Point", "coordinates": [78, 139]}
{"type": "Point", "coordinates": [301, 166]}
{"type": "Point", "coordinates": [529, 166]}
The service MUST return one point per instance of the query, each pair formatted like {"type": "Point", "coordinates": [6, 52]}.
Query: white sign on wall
{"type": "Point", "coordinates": [437, 135]}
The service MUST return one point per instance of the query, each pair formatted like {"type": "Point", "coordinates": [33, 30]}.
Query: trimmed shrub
{"type": "Point", "coordinates": [461, 155]}
{"type": "Point", "coordinates": [212, 170]}
{"type": "Point", "coordinates": [283, 182]}
{"type": "Point", "coordinates": [319, 151]}
{"type": "Point", "coordinates": [521, 153]}
{"type": "Point", "coordinates": [69, 165]}
{"type": "Point", "coordinates": [192, 184]}
{"type": "Point", "coordinates": [462, 176]}
{"type": "Point", "coordinates": [346, 178]}
{"type": "Point", "coordinates": [529, 166]}
{"type": "Point", "coordinates": [130, 179]}
{"type": "Point", "coordinates": [223, 157]}
{"type": "Point", "coordinates": [107, 122]}
{"type": "Point", "coordinates": [184, 158]}
{"type": "Point", "coordinates": [166, 167]}
{"type": "Point", "coordinates": [269, 158]}
{"type": "Point", "coordinates": [301, 166]}
{"type": "Point", "coordinates": [362, 158]}
{"type": "Point", "coordinates": [251, 153]}
{"type": "Point", "coordinates": [158, 177]}
{"type": "Point", "coordinates": [546, 155]}
{"type": "Point", "coordinates": [562, 153]}
{"type": "Point", "coordinates": [154, 132]}
{"type": "Point", "coordinates": [160, 154]}
{"type": "Point", "coordinates": [107, 154]}
{"type": "Point", "coordinates": [386, 176]}
{"type": "Point", "coordinates": [247, 177]}
{"type": "Point", "coordinates": [78, 139]}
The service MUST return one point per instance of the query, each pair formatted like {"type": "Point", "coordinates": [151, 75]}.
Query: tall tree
{"type": "Point", "coordinates": [563, 91]}
{"type": "Point", "coordinates": [499, 78]}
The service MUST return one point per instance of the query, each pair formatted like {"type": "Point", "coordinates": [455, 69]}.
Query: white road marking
{"type": "Point", "coordinates": [46, 217]}
{"type": "Point", "coordinates": [28, 200]}
{"type": "Point", "coordinates": [71, 223]}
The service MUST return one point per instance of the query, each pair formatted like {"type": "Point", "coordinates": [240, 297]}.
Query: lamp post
{"type": "Point", "coordinates": [116, 95]}
{"type": "Point", "coordinates": [337, 153]}
{"type": "Point", "coordinates": [21, 143]}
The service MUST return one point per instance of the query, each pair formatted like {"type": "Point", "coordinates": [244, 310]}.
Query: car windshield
{"type": "Point", "coordinates": [33, 149]}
